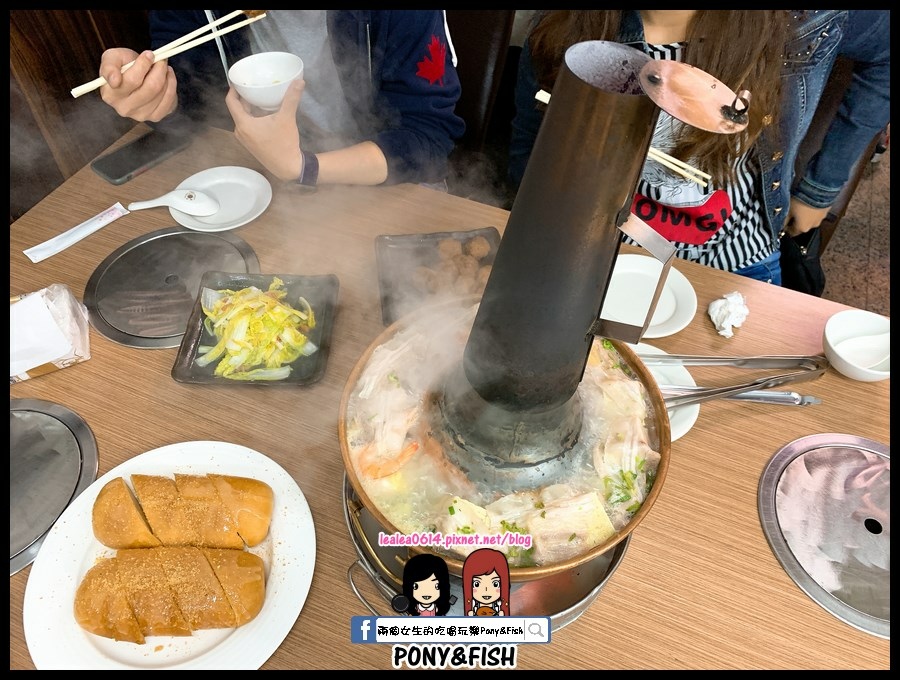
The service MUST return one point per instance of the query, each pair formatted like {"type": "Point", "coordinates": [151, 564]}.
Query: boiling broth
{"type": "Point", "coordinates": [611, 468]}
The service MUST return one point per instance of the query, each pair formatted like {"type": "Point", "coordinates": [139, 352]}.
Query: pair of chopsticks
{"type": "Point", "coordinates": [678, 166]}
{"type": "Point", "coordinates": [668, 161]}
{"type": "Point", "coordinates": [182, 44]}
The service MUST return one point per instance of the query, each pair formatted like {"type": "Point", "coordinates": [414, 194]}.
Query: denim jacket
{"type": "Point", "coordinates": [819, 37]}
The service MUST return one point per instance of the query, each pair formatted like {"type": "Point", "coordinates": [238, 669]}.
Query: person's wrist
{"type": "Point", "coordinates": [309, 172]}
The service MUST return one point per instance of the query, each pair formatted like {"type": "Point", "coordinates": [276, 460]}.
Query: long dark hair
{"type": "Point", "coordinates": [742, 48]}
{"type": "Point", "coordinates": [420, 567]}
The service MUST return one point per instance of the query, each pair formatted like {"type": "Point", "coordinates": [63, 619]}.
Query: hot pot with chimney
{"type": "Point", "coordinates": [523, 415]}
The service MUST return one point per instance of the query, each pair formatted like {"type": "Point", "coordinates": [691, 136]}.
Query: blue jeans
{"type": "Point", "coordinates": [768, 270]}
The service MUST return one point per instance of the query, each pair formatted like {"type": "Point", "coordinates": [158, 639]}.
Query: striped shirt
{"type": "Point", "coordinates": [721, 227]}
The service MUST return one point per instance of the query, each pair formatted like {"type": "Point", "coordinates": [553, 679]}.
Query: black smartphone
{"type": "Point", "coordinates": [129, 161]}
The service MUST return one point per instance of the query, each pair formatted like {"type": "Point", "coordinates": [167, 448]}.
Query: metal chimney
{"type": "Point", "coordinates": [510, 410]}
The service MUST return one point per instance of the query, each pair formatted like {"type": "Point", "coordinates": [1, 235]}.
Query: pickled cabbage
{"type": "Point", "coordinates": [258, 335]}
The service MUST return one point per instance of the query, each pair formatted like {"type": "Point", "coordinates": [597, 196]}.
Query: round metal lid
{"type": "Point", "coordinates": [52, 459]}
{"type": "Point", "coordinates": [143, 293]}
{"type": "Point", "coordinates": [695, 97]}
{"type": "Point", "coordinates": [824, 504]}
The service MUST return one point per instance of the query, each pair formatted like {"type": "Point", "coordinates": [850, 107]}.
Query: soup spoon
{"type": "Point", "coordinates": [868, 351]}
{"type": "Point", "coordinates": [188, 201]}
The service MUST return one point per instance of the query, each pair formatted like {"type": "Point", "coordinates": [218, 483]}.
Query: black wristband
{"type": "Point", "coordinates": [309, 176]}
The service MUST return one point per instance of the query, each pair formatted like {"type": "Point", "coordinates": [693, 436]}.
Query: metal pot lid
{"type": "Point", "coordinates": [824, 504]}
{"type": "Point", "coordinates": [143, 293]}
{"type": "Point", "coordinates": [694, 97]}
{"type": "Point", "coordinates": [52, 459]}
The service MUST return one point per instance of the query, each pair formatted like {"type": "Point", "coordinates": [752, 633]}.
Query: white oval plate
{"type": "Point", "coordinates": [56, 641]}
{"type": "Point", "coordinates": [243, 195]}
{"type": "Point", "coordinates": [631, 289]}
{"type": "Point", "coordinates": [682, 418]}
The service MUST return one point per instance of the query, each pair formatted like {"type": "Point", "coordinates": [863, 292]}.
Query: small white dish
{"type": "Point", "coordinates": [263, 78]}
{"type": "Point", "coordinates": [243, 195]}
{"type": "Point", "coordinates": [682, 418]}
{"type": "Point", "coordinates": [631, 290]}
{"type": "Point", "coordinates": [56, 641]}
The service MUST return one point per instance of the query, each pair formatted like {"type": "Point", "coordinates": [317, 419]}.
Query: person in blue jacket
{"type": "Point", "coordinates": [784, 58]}
{"type": "Point", "coordinates": [376, 105]}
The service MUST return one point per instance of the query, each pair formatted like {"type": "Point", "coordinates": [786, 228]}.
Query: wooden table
{"type": "Point", "coordinates": [698, 588]}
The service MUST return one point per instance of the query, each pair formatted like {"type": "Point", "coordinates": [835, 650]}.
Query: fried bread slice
{"type": "Point", "coordinates": [243, 578]}
{"type": "Point", "coordinates": [101, 605]}
{"type": "Point", "coordinates": [197, 590]}
{"type": "Point", "coordinates": [250, 502]}
{"type": "Point", "coordinates": [147, 588]}
{"type": "Point", "coordinates": [117, 519]}
{"type": "Point", "coordinates": [216, 528]}
{"type": "Point", "coordinates": [167, 513]}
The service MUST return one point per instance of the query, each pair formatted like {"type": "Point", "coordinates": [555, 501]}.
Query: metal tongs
{"type": "Point", "coordinates": [759, 396]}
{"type": "Point", "coordinates": [808, 367]}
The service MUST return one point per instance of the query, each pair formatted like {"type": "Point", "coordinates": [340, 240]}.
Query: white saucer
{"type": "Point", "coordinates": [243, 195]}
{"type": "Point", "coordinates": [631, 289]}
{"type": "Point", "coordinates": [682, 418]}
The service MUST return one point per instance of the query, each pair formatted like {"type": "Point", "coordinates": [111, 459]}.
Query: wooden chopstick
{"type": "Point", "coordinates": [678, 166]}
{"type": "Point", "coordinates": [193, 34]}
{"type": "Point", "coordinates": [656, 153]}
{"type": "Point", "coordinates": [215, 34]}
{"type": "Point", "coordinates": [101, 81]}
{"type": "Point", "coordinates": [176, 47]}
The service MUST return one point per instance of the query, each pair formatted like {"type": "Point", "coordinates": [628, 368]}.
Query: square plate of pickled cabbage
{"type": "Point", "coordinates": [258, 329]}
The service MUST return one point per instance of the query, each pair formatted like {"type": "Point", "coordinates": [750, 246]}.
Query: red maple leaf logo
{"type": "Point", "coordinates": [431, 68]}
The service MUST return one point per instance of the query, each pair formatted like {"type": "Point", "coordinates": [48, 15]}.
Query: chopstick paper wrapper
{"type": "Point", "coordinates": [48, 330]}
{"type": "Point", "coordinates": [62, 241]}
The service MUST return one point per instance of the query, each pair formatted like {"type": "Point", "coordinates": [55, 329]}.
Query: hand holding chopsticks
{"type": "Point", "coordinates": [668, 161]}
{"type": "Point", "coordinates": [180, 45]}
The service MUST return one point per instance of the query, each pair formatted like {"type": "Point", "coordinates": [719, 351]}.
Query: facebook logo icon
{"type": "Point", "coordinates": [362, 629]}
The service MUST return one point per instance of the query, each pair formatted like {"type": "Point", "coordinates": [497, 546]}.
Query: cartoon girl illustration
{"type": "Point", "coordinates": [426, 585]}
{"type": "Point", "coordinates": [486, 583]}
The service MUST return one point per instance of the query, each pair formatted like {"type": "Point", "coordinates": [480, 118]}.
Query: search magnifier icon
{"type": "Point", "coordinates": [535, 629]}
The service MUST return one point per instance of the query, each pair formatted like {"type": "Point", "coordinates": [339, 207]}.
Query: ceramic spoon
{"type": "Point", "coordinates": [187, 201]}
{"type": "Point", "coordinates": [868, 351]}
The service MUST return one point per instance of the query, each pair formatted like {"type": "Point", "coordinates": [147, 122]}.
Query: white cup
{"type": "Point", "coordinates": [263, 79]}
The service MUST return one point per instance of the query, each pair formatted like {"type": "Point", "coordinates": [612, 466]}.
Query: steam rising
{"type": "Point", "coordinates": [397, 457]}
{"type": "Point", "coordinates": [433, 268]}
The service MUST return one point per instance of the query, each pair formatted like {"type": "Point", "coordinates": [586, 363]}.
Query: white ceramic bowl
{"type": "Point", "coordinates": [852, 323]}
{"type": "Point", "coordinates": [263, 79]}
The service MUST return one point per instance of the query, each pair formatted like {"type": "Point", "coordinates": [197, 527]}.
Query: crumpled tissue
{"type": "Point", "coordinates": [728, 312]}
{"type": "Point", "coordinates": [48, 330]}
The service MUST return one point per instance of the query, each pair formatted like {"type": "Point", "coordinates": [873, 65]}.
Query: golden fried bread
{"type": "Point", "coordinates": [171, 590]}
{"type": "Point", "coordinates": [211, 511]}
{"type": "Point", "coordinates": [250, 503]}
{"type": "Point", "coordinates": [243, 578]}
{"type": "Point", "coordinates": [181, 564]}
{"type": "Point", "coordinates": [216, 528]}
{"type": "Point", "coordinates": [101, 606]}
{"type": "Point", "coordinates": [167, 513]}
{"type": "Point", "coordinates": [118, 521]}
{"type": "Point", "coordinates": [197, 590]}
{"type": "Point", "coordinates": [147, 588]}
